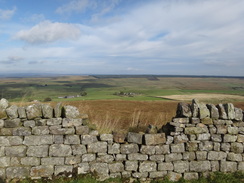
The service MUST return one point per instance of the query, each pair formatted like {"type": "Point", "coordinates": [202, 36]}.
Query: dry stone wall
{"type": "Point", "coordinates": [41, 141]}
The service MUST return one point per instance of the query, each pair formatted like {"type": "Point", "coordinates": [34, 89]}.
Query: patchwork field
{"type": "Point", "coordinates": [124, 102]}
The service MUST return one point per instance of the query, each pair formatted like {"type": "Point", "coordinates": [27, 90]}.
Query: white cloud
{"type": "Point", "coordinates": [73, 6]}
{"type": "Point", "coordinates": [7, 14]}
{"type": "Point", "coordinates": [46, 32]}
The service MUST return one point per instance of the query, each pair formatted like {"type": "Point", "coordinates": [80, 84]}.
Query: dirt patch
{"type": "Point", "coordinates": [205, 97]}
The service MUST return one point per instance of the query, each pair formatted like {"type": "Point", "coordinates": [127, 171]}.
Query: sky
{"type": "Point", "coordinates": [175, 37]}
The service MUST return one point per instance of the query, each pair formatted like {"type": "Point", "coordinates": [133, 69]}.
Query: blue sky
{"type": "Point", "coordinates": [193, 37]}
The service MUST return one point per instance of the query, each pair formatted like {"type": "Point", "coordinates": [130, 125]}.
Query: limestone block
{"type": "Point", "coordinates": [201, 155]}
{"type": "Point", "coordinates": [191, 176]}
{"type": "Point", "coordinates": [2, 151]}
{"type": "Point", "coordinates": [236, 147]}
{"type": "Point", "coordinates": [71, 112]}
{"type": "Point", "coordinates": [195, 130]}
{"type": "Point", "coordinates": [234, 157]}
{"type": "Point", "coordinates": [240, 138]}
{"type": "Point", "coordinates": [12, 112]}
{"type": "Point", "coordinates": [121, 157]}
{"type": "Point", "coordinates": [78, 149]}
{"type": "Point", "coordinates": [72, 139]}
{"type": "Point", "coordinates": [72, 160]}
{"type": "Point", "coordinates": [137, 156]}
{"type": "Point", "coordinates": [82, 130]}
{"type": "Point", "coordinates": [2, 173]}
{"type": "Point", "coordinates": [88, 157]}
{"type": "Point", "coordinates": [180, 139]}
{"type": "Point", "coordinates": [181, 120]}
{"type": "Point", "coordinates": [67, 122]}
{"type": "Point", "coordinates": [189, 156]}
{"type": "Point", "coordinates": [60, 150]}
{"type": "Point", "coordinates": [214, 112]}
{"type": "Point", "coordinates": [114, 148]}
{"type": "Point", "coordinates": [222, 112]}
{"type": "Point", "coordinates": [116, 167]}
{"type": "Point", "coordinates": [41, 122]}
{"type": "Point", "coordinates": [155, 139]}
{"type": "Point", "coordinates": [107, 138]}
{"type": "Point", "coordinates": [58, 110]}
{"type": "Point", "coordinates": [15, 151]}
{"type": "Point", "coordinates": [140, 175]}
{"type": "Point", "coordinates": [126, 174]}
{"type": "Point", "coordinates": [101, 170]}
{"type": "Point", "coordinates": [42, 171]}
{"type": "Point", "coordinates": [162, 149]}
{"type": "Point", "coordinates": [177, 148]}
{"type": "Point", "coordinates": [158, 174]}
{"type": "Point", "coordinates": [131, 165]}
{"type": "Point", "coordinates": [30, 161]}
{"type": "Point", "coordinates": [203, 136]}
{"type": "Point", "coordinates": [22, 113]}
{"type": "Point", "coordinates": [17, 172]}
{"type": "Point", "coordinates": [173, 157]}
{"type": "Point", "coordinates": [97, 147]}
{"type": "Point", "coordinates": [47, 111]}
{"type": "Point", "coordinates": [216, 146]}
{"type": "Point", "coordinates": [221, 129]}
{"type": "Point", "coordinates": [88, 139]}
{"type": "Point", "coordinates": [54, 121]}
{"type": "Point", "coordinates": [213, 155]}
{"type": "Point", "coordinates": [147, 166]}
{"type": "Point", "coordinates": [4, 162]}
{"type": "Point", "coordinates": [105, 158]}
{"type": "Point", "coordinates": [1, 123]}
{"type": "Point", "coordinates": [119, 137]}
{"type": "Point", "coordinates": [238, 114]}
{"type": "Point", "coordinates": [40, 130]}
{"type": "Point", "coordinates": [212, 130]}
{"type": "Point", "coordinates": [58, 139]}
{"type": "Point", "coordinates": [57, 130]}
{"type": "Point", "coordinates": [83, 168]}
{"type": "Point", "coordinates": [129, 148]}
{"type": "Point", "coordinates": [152, 129]}
{"type": "Point", "coordinates": [158, 158]}
{"type": "Point", "coordinates": [64, 170]}
{"type": "Point", "coordinates": [134, 137]}
{"type": "Point", "coordinates": [52, 161]}
{"type": "Point", "coordinates": [173, 176]}
{"type": "Point", "coordinates": [207, 121]}
{"type": "Point", "coordinates": [166, 166]}
{"type": "Point", "coordinates": [38, 140]}
{"type": "Point", "coordinates": [230, 138]}
{"type": "Point", "coordinates": [230, 110]}
{"type": "Point", "coordinates": [225, 147]}
{"type": "Point", "coordinates": [3, 106]}
{"type": "Point", "coordinates": [195, 120]}
{"type": "Point", "coordinates": [34, 111]}
{"type": "Point", "coordinates": [216, 137]}
{"type": "Point", "coordinates": [22, 131]}
{"type": "Point", "coordinates": [241, 166]}
{"type": "Point", "coordinates": [169, 140]}
{"type": "Point", "coordinates": [6, 131]}
{"type": "Point", "coordinates": [183, 110]}
{"type": "Point", "coordinates": [38, 151]}
{"type": "Point", "coordinates": [200, 166]}
{"type": "Point", "coordinates": [181, 166]}
{"type": "Point", "coordinates": [15, 140]}
{"type": "Point", "coordinates": [215, 166]}
{"type": "Point", "coordinates": [29, 123]}
{"type": "Point", "coordinates": [4, 141]}
{"type": "Point", "coordinates": [12, 123]}
{"type": "Point", "coordinates": [228, 166]}
{"type": "Point", "coordinates": [148, 149]}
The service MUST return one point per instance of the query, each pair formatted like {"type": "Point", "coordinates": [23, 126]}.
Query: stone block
{"type": "Point", "coordinates": [131, 165]}
{"type": "Point", "coordinates": [41, 122]}
{"type": "Point", "coordinates": [64, 170]}
{"type": "Point", "coordinates": [88, 139]}
{"type": "Point", "coordinates": [107, 138]}
{"type": "Point", "coordinates": [189, 156]}
{"type": "Point", "coordinates": [40, 130]}
{"type": "Point", "coordinates": [155, 139]}
{"type": "Point", "coordinates": [192, 146]}
{"type": "Point", "coordinates": [38, 140]}
{"type": "Point", "coordinates": [180, 139]}
{"type": "Point", "coordinates": [129, 148]}
{"type": "Point", "coordinates": [22, 113]}
{"type": "Point", "coordinates": [236, 147]}
{"type": "Point", "coordinates": [137, 156]}
{"type": "Point", "coordinates": [100, 169]}
{"type": "Point", "coordinates": [173, 157]}
{"type": "Point", "coordinates": [47, 111]}
{"type": "Point", "coordinates": [230, 138]}
{"type": "Point", "coordinates": [148, 149]}
{"type": "Point", "coordinates": [1, 123]}
{"type": "Point", "coordinates": [195, 120]}
{"type": "Point", "coordinates": [78, 149]}
{"type": "Point", "coordinates": [214, 112]}
{"type": "Point", "coordinates": [15, 140]}
{"type": "Point", "coordinates": [33, 111]}
{"type": "Point", "coordinates": [97, 147]}
{"type": "Point", "coordinates": [88, 157]}
{"type": "Point", "coordinates": [207, 121]}
{"type": "Point", "coordinates": [38, 151]}
{"type": "Point", "coordinates": [58, 130]}
{"type": "Point", "coordinates": [181, 166]}
{"type": "Point", "coordinates": [230, 110]}
{"type": "Point", "coordinates": [215, 166]}
{"type": "Point", "coordinates": [2, 174]}
{"type": "Point", "coordinates": [228, 166]}
{"type": "Point", "coordinates": [157, 158]}
{"type": "Point", "coordinates": [213, 155]}
{"type": "Point", "coordinates": [105, 158]}
{"type": "Point", "coordinates": [42, 171]}
{"type": "Point", "coordinates": [222, 112]}
{"type": "Point", "coordinates": [173, 176]}
{"type": "Point", "coordinates": [183, 110]}
{"type": "Point", "coordinates": [2, 151]}
{"type": "Point", "coordinates": [232, 130]}
{"type": "Point", "coordinates": [54, 121]}
{"type": "Point", "coordinates": [17, 172]}
{"type": "Point", "coordinates": [121, 157]}
{"type": "Point", "coordinates": [4, 162]}
{"type": "Point", "coordinates": [166, 166]}
{"type": "Point", "coordinates": [216, 138]}
{"type": "Point", "coordinates": [201, 155]}
{"type": "Point", "coordinates": [82, 130]}
{"type": "Point", "coordinates": [203, 136]}
{"type": "Point", "coordinates": [240, 138]}
{"type": "Point", "coordinates": [241, 166]}
{"type": "Point", "coordinates": [30, 161]}
{"type": "Point", "coordinates": [29, 123]}
{"type": "Point", "coordinates": [12, 112]}
{"type": "Point", "coordinates": [225, 147]}
{"type": "Point", "coordinates": [194, 130]}
{"type": "Point", "coordinates": [22, 131]}
{"type": "Point", "coordinates": [58, 110]}
{"type": "Point", "coordinates": [72, 160]}
{"type": "Point", "coordinates": [181, 120]}
{"type": "Point", "coordinates": [234, 157]}
{"type": "Point", "coordinates": [67, 122]}
{"type": "Point", "coordinates": [205, 146]}
{"type": "Point", "coordinates": [134, 137]}
{"type": "Point", "coordinates": [52, 161]}
{"type": "Point", "coordinates": [58, 139]}
{"type": "Point", "coordinates": [72, 139]}
{"type": "Point", "coordinates": [169, 140]}
{"type": "Point", "coordinates": [177, 148]}
{"type": "Point", "coordinates": [216, 146]}
{"type": "Point", "coordinates": [15, 161]}
{"type": "Point", "coordinates": [15, 151]}
{"type": "Point", "coordinates": [83, 168]}
{"type": "Point", "coordinates": [60, 150]}
{"type": "Point", "coordinates": [162, 149]}
{"type": "Point", "coordinates": [4, 141]}
{"type": "Point", "coordinates": [140, 175]}
{"type": "Point", "coordinates": [71, 112]}
{"type": "Point", "coordinates": [200, 166]}
{"type": "Point", "coordinates": [158, 174]}
{"type": "Point", "coordinates": [126, 174]}
{"type": "Point", "coordinates": [191, 176]}
{"type": "Point", "coordinates": [116, 167]}
{"type": "Point", "coordinates": [119, 137]}
{"type": "Point", "coordinates": [238, 114]}
{"type": "Point", "coordinates": [12, 123]}
{"type": "Point", "coordinates": [114, 148]}
{"type": "Point", "coordinates": [147, 166]}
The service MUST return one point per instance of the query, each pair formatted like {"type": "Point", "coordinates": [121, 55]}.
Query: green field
{"type": "Point", "coordinates": [101, 87]}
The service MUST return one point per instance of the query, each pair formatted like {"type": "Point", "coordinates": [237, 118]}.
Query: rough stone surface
{"type": "Point", "coordinates": [58, 110]}
{"type": "Point", "coordinates": [12, 123]}
{"type": "Point", "coordinates": [34, 111]}
{"type": "Point", "coordinates": [17, 172]}
{"type": "Point", "coordinates": [222, 112]}
{"type": "Point", "coordinates": [42, 171]}
{"type": "Point", "coordinates": [230, 110]}
{"type": "Point", "coordinates": [129, 148]}
{"type": "Point", "coordinates": [12, 112]}
{"type": "Point", "coordinates": [147, 166]}
{"type": "Point", "coordinates": [183, 110]}
{"type": "Point", "coordinates": [38, 151]}
{"type": "Point", "coordinates": [200, 166]}
{"type": "Point", "coordinates": [71, 112]}
{"type": "Point", "coordinates": [60, 150]}
{"type": "Point", "coordinates": [47, 111]}
{"type": "Point", "coordinates": [155, 139]}
{"type": "Point", "coordinates": [135, 137]}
